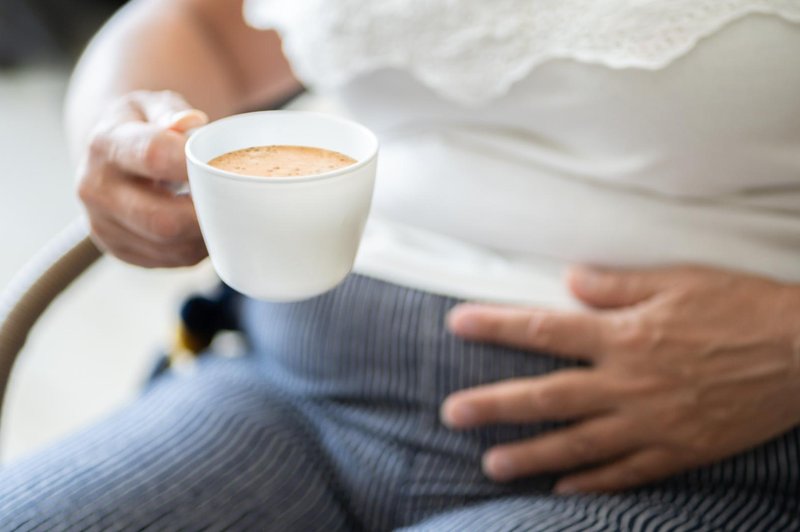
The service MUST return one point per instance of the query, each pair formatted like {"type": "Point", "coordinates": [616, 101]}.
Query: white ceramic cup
{"type": "Point", "coordinates": [282, 239]}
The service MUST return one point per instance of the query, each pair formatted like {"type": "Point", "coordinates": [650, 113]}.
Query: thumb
{"type": "Point", "coordinates": [609, 288]}
{"type": "Point", "coordinates": [183, 121]}
{"type": "Point", "coordinates": [169, 110]}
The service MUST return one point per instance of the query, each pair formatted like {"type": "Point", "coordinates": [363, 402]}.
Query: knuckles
{"type": "Point", "coordinates": [87, 192]}
{"type": "Point", "coordinates": [143, 98]}
{"type": "Point", "coordinates": [544, 399]}
{"type": "Point", "coordinates": [99, 143]}
{"type": "Point", "coordinates": [90, 188]}
{"type": "Point", "coordinates": [638, 335]}
{"type": "Point", "coordinates": [539, 329]}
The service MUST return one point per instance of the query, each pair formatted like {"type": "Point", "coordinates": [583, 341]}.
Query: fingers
{"type": "Point", "coordinates": [580, 335]}
{"type": "Point", "coordinates": [183, 121]}
{"type": "Point", "coordinates": [111, 236]}
{"type": "Point", "coordinates": [631, 471]}
{"type": "Point", "coordinates": [140, 222]}
{"type": "Point", "coordinates": [156, 214]}
{"type": "Point", "coordinates": [563, 395]}
{"type": "Point", "coordinates": [135, 156]}
{"type": "Point", "coordinates": [591, 442]}
{"type": "Point", "coordinates": [144, 135]}
{"type": "Point", "coordinates": [141, 149]}
{"type": "Point", "coordinates": [143, 208]}
{"type": "Point", "coordinates": [613, 289]}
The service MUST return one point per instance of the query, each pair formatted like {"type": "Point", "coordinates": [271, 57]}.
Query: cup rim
{"type": "Point", "coordinates": [190, 156]}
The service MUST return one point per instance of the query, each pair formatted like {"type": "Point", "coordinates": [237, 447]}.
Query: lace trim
{"type": "Point", "coordinates": [475, 50]}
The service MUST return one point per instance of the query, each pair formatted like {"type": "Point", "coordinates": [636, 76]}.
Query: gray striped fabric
{"type": "Point", "coordinates": [331, 423]}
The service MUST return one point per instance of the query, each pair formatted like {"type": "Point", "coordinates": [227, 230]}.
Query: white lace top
{"type": "Point", "coordinates": [522, 135]}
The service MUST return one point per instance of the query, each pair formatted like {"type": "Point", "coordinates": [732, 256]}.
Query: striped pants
{"type": "Point", "coordinates": [331, 423]}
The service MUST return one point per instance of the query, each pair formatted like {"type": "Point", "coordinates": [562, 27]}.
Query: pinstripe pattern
{"type": "Point", "coordinates": [332, 424]}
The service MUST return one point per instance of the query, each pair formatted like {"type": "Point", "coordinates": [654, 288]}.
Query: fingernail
{"type": "Point", "coordinates": [187, 119]}
{"type": "Point", "coordinates": [498, 466]}
{"type": "Point", "coordinates": [461, 323]}
{"type": "Point", "coordinates": [585, 278]}
{"type": "Point", "coordinates": [565, 488]}
{"type": "Point", "coordinates": [458, 414]}
{"type": "Point", "coordinates": [469, 325]}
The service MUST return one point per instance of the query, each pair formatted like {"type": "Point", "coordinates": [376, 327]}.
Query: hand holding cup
{"type": "Point", "coordinates": [127, 179]}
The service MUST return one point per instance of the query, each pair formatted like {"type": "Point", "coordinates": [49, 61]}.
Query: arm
{"type": "Point", "coordinates": [201, 49]}
{"type": "Point", "coordinates": [127, 115]}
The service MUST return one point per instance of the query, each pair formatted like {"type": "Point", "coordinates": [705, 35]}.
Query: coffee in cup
{"type": "Point", "coordinates": [282, 237]}
{"type": "Point", "coordinates": [281, 161]}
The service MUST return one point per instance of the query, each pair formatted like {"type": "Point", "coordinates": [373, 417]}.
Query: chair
{"type": "Point", "coordinates": [63, 260]}
{"type": "Point", "coordinates": [36, 286]}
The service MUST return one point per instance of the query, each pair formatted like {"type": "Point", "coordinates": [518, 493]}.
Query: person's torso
{"type": "Point", "coordinates": [519, 136]}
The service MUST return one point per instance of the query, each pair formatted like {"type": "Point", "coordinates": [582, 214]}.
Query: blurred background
{"type": "Point", "coordinates": [93, 349]}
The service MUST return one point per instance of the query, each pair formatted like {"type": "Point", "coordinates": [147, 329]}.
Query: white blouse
{"type": "Point", "coordinates": [521, 136]}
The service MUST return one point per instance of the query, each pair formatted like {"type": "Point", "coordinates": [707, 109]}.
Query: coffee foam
{"type": "Point", "coordinates": [281, 161]}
